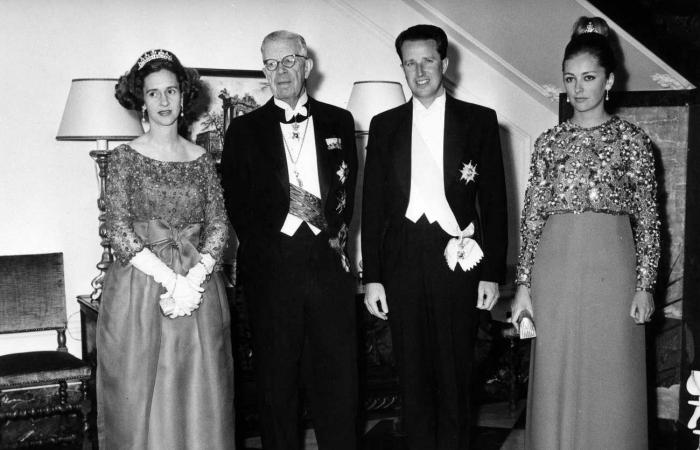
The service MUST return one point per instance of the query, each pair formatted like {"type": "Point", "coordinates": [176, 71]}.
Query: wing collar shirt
{"type": "Point", "coordinates": [430, 123]}
{"type": "Point", "coordinates": [301, 149]}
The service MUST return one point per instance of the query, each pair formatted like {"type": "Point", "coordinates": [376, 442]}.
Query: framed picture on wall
{"type": "Point", "coordinates": [231, 93]}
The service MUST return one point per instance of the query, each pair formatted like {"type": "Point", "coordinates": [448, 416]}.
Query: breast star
{"type": "Point", "coordinates": [468, 172]}
{"type": "Point", "coordinates": [342, 172]}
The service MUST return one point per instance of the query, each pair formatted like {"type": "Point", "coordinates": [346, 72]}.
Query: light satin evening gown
{"type": "Point", "coordinates": [163, 383]}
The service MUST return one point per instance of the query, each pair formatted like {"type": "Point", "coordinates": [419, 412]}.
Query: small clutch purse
{"type": "Point", "coordinates": [526, 325]}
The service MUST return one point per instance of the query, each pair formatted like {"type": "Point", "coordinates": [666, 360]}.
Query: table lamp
{"type": "Point", "coordinates": [367, 99]}
{"type": "Point", "coordinates": [92, 113]}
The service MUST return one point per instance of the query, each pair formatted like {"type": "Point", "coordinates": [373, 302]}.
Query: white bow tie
{"type": "Point", "coordinates": [289, 113]}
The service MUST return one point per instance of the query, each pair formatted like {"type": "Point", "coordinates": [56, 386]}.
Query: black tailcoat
{"type": "Point", "coordinates": [432, 310]}
{"type": "Point", "coordinates": [300, 299]}
{"type": "Point", "coordinates": [255, 177]}
{"type": "Point", "coordinates": [471, 136]}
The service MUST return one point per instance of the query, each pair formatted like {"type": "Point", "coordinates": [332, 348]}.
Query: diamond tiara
{"type": "Point", "coordinates": [153, 54]}
{"type": "Point", "coordinates": [590, 28]}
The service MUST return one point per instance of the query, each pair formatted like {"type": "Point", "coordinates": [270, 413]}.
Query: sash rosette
{"type": "Point", "coordinates": [463, 250]}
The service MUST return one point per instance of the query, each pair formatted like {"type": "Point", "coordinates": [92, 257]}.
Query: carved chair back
{"type": "Point", "coordinates": [32, 294]}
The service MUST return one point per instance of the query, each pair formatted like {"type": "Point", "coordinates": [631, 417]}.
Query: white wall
{"type": "Point", "coordinates": [48, 189]}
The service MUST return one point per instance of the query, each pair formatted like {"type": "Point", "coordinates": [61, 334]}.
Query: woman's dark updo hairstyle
{"type": "Point", "coordinates": [129, 87]}
{"type": "Point", "coordinates": [591, 35]}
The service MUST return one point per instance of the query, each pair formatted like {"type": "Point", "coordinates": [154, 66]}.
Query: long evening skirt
{"type": "Point", "coordinates": [587, 369]}
{"type": "Point", "coordinates": [163, 383]}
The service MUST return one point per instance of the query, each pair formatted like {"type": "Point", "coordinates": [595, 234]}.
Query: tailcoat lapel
{"type": "Point", "coordinates": [455, 130]}
{"type": "Point", "coordinates": [274, 145]}
{"type": "Point", "coordinates": [402, 155]}
{"type": "Point", "coordinates": [324, 158]}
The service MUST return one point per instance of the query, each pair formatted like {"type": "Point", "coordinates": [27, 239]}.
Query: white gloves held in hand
{"type": "Point", "coordinates": [182, 299]}
{"type": "Point", "coordinates": [183, 293]}
{"type": "Point", "coordinates": [198, 273]}
{"type": "Point", "coordinates": [181, 302]}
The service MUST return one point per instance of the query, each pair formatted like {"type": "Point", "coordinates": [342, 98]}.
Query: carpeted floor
{"type": "Point", "coordinates": [499, 428]}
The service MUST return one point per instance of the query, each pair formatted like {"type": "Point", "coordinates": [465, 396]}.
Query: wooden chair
{"type": "Point", "coordinates": [43, 394]}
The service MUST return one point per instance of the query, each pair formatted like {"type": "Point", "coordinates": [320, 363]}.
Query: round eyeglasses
{"type": "Point", "coordinates": [287, 61]}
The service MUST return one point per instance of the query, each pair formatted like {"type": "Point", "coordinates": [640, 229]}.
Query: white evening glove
{"type": "Point", "coordinates": [182, 300]}
{"type": "Point", "coordinates": [198, 273]}
{"type": "Point", "coordinates": [151, 265]}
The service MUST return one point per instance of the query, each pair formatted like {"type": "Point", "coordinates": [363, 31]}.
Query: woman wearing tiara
{"type": "Point", "coordinates": [164, 370]}
{"type": "Point", "coordinates": [588, 261]}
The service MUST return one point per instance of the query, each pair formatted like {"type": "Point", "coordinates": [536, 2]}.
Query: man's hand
{"type": "Point", "coordinates": [375, 300]}
{"type": "Point", "coordinates": [487, 296]}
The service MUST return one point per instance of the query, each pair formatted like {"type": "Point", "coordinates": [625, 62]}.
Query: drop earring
{"type": "Point", "coordinates": [182, 110]}
{"type": "Point", "coordinates": [607, 94]}
{"type": "Point", "coordinates": [143, 113]}
{"type": "Point", "coordinates": [567, 99]}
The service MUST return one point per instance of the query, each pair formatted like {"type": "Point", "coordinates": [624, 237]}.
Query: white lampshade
{"type": "Point", "coordinates": [369, 98]}
{"type": "Point", "coordinates": [92, 113]}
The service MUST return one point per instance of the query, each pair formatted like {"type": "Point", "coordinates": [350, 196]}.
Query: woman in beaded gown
{"type": "Point", "coordinates": [165, 370]}
{"type": "Point", "coordinates": [588, 261]}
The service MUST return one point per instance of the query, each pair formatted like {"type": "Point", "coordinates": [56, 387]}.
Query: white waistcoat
{"type": "Point", "coordinates": [306, 165]}
{"type": "Point", "coordinates": [427, 195]}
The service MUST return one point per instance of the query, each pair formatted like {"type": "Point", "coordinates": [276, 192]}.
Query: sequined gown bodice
{"type": "Point", "coordinates": [179, 193]}
{"type": "Point", "coordinates": [608, 168]}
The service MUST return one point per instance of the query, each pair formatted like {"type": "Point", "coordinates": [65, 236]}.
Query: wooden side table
{"type": "Point", "coordinates": [88, 327]}
{"type": "Point", "coordinates": [88, 336]}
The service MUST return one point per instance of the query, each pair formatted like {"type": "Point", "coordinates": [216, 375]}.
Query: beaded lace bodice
{"type": "Point", "coordinates": [608, 168]}
{"type": "Point", "coordinates": [141, 188]}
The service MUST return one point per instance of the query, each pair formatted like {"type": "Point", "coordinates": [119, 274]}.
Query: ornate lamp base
{"type": "Point", "coordinates": [101, 157]}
